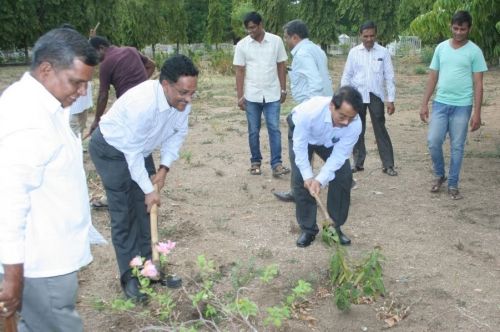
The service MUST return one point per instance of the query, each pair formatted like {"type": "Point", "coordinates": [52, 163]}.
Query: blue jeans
{"type": "Point", "coordinates": [272, 115]}
{"type": "Point", "coordinates": [455, 121]}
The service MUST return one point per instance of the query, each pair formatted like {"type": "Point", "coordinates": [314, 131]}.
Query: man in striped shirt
{"type": "Point", "coordinates": [368, 67]}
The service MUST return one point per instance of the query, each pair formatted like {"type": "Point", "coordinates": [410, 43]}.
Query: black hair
{"type": "Point", "coordinates": [252, 17]}
{"type": "Point", "coordinates": [60, 47]}
{"type": "Point", "coordinates": [296, 27]}
{"type": "Point", "coordinates": [462, 17]}
{"type": "Point", "coordinates": [349, 95]}
{"type": "Point", "coordinates": [368, 25]}
{"type": "Point", "coordinates": [67, 26]}
{"type": "Point", "coordinates": [99, 41]}
{"type": "Point", "coordinates": [176, 66]}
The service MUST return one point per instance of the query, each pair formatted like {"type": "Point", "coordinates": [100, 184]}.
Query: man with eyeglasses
{"type": "Point", "coordinates": [150, 115]}
{"type": "Point", "coordinates": [329, 127]}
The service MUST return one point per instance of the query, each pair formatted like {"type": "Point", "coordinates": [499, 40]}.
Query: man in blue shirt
{"type": "Point", "coordinates": [457, 68]}
{"type": "Point", "coordinates": [309, 74]}
{"type": "Point", "coordinates": [329, 127]}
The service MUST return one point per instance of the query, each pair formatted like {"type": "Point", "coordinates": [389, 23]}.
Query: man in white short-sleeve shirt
{"type": "Point", "coordinates": [260, 65]}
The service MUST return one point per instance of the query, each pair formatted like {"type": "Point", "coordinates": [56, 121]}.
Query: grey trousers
{"type": "Point", "coordinates": [130, 225]}
{"type": "Point", "coordinates": [49, 304]}
{"type": "Point", "coordinates": [384, 144]}
{"type": "Point", "coordinates": [339, 189]}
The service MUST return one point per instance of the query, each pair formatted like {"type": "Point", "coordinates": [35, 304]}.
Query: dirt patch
{"type": "Point", "coordinates": [441, 255]}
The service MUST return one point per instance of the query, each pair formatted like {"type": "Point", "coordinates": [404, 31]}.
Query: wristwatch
{"type": "Point", "coordinates": [283, 92]}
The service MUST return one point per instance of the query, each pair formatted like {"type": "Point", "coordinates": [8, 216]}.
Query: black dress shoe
{"type": "Point", "coordinates": [389, 171]}
{"type": "Point", "coordinates": [355, 169]}
{"type": "Point", "coordinates": [131, 288]}
{"type": "Point", "coordinates": [344, 240]}
{"type": "Point", "coordinates": [305, 239]}
{"type": "Point", "coordinates": [285, 196]}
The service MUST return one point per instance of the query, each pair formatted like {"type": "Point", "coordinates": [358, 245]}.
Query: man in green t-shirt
{"type": "Point", "coordinates": [457, 68]}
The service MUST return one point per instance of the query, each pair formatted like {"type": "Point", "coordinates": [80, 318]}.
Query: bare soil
{"type": "Point", "coordinates": [442, 261]}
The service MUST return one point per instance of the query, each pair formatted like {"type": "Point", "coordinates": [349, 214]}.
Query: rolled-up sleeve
{"type": "Point", "coordinates": [171, 145]}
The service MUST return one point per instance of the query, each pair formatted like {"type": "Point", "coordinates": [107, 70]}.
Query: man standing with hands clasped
{"type": "Point", "coordinates": [259, 61]}
{"type": "Point", "coordinates": [44, 232]}
{"type": "Point", "coordinates": [457, 68]}
{"type": "Point", "coordinates": [328, 127]}
{"type": "Point", "coordinates": [368, 67]}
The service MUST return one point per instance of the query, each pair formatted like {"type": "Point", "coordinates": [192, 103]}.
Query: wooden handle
{"type": "Point", "coordinates": [10, 324]}
{"type": "Point", "coordinates": [323, 209]}
{"type": "Point", "coordinates": [153, 218]}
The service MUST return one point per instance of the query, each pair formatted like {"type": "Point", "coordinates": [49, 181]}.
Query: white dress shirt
{"type": "Point", "coordinates": [260, 61]}
{"type": "Point", "coordinates": [367, 70]}
{"type": "Point", "coordinates": [140, 121]}
{"type": "Point", "coordinates": [309, 75]}
{"type": "Point", "coordinates": [314, 125]}
{"type": "Point", "coordinates": [43, 192]}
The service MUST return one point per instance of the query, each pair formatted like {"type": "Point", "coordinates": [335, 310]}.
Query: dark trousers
{"type": "Point", "coordinates": [339, 189]}
{"type": "Point", "coordinates": [130, 225]}
{"type": "Point", "coordinates": [384, 144]}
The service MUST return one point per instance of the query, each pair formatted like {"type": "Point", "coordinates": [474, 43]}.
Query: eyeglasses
{"type": "Point", "coordinates": [184, 93]}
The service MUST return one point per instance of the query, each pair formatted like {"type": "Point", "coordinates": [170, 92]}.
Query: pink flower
{"type": "Point", "coordinates": [136, 262]}
{"type": "Point", "coordinates": [149, 270]}
{"type": "Point", "coordinates": [165, 247]}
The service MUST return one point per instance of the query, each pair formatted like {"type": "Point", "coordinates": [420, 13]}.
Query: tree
{"type": "Point", "coordinates": [176, 25]}
{"type": "Point", "coordinates": [320, 17]}
{"type": "Point", "coordinates": [352, 13]}
{"type": "Point", "coordinates": [409, 9]}
{"type": "Point", "coordinates": [434, 26]}
{"type": "Point", "coordinates": [197, 23]}
{"type": "Point", "coordinates": [274, 14]}
{"type": "Point", "coordinates": [240, 9]}
{"type": "Point", "coordinates": [215, 22]}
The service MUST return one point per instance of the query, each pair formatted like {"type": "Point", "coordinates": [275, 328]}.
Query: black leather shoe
{"type": "Point", "coordinates": [131, 288]}
{"type": "Point", "coordinates": [390, 171]}
{"type": "Point", "coordinates": [305, 239]}
{"type": "Point", "coordinates": [285, 196]}
{"type": "Point", "coordinates": [355, 169]}
{"type": "Point", "coordinates": [343, 239]}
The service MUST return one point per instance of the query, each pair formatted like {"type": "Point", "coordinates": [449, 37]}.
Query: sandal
{"type": "Point", "coordinates": [255, 169]}
{"type": "Point", "coordinates": [454, 193]}
{"type": "Point", "coordinates": [280, 170]}
{"type": "Point", "coordinates": [437, 183]}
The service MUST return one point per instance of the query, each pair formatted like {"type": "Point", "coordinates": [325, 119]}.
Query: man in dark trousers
{"type": "Point", "coordinates": [368, 69]}
{"type": "Point", "coordinates": [328, 127]}
{"type": "Point", "coordinates": [150, 115]}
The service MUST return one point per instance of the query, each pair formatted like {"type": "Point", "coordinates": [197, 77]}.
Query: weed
{"type": "Point", "coordinates": [420, 70]}
{"type": "Point", "coordinates": [186, 155]}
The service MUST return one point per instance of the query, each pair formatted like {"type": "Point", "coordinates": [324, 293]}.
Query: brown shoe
{"type": "Point", "coordinates": [280, 170]}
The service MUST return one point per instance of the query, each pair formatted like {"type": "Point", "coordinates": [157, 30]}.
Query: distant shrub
{"type": "Point", "coordinates": [221, 62]}
{"type": "Point", "coordinates": [426, 54]}
{"type": "Point", "coordinates": [420, 70]}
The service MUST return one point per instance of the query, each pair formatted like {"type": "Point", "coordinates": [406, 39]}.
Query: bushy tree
{"type": "Point", "coordinates": [215, 22]}
{"type": "Point", "coordinates": [274, 14]}
{"type": "Point", "coordinates": [176, 24]}
{"type": "Point", "coordinates": [408, 10]}
{"type": "Point", "coordinates": [320, 17]}
{"type": "Point", "coordinates": [240, 9]}
{"type": "Point", "coordinates": [434, 26]}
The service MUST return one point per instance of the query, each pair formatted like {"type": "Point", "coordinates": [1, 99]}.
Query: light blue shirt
{"type": "Point", "coordinates": [314, 125]}
{"type": "Point", "coordinates": [455, 67]}
{"type": "Point", "coordinates": [309, 76]}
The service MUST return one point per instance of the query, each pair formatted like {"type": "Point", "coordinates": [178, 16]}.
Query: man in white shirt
{"type": "Point", "coordinates": [259, 62]}
{"type": "Point", "coordinates": [44, 232]}
{"type": "Point", "coordinates": [309, 74]}
{"type": "Point", "coordinates": [368, 67]}
{"type": "Point", "coordinates": [328, 127]}
{"type": "Point", "coordinates": [150, 115]}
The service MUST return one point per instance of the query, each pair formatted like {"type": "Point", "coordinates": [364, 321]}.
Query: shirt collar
{"type": "Point", "coordinates": [362, 47]}
{"type": "Point", "coordinates": [265, 39]}
{"type": "Point", "coordinates": [328, 115]}
{"type": "Point", "coordinates": [49, 102]}
{"type": "Point", "coordinates": [299, 45]}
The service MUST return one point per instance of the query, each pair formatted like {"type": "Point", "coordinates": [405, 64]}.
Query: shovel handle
{"type": "Point", "coordinates": [10, 324]}
{"type": "Point", "coordinates": [323, 209]}
{"type": "Point", "coordinates": [153, 218]}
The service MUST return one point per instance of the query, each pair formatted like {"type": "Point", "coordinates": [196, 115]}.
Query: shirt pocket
{"type": "Point", "coordinates": [377, 65]}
